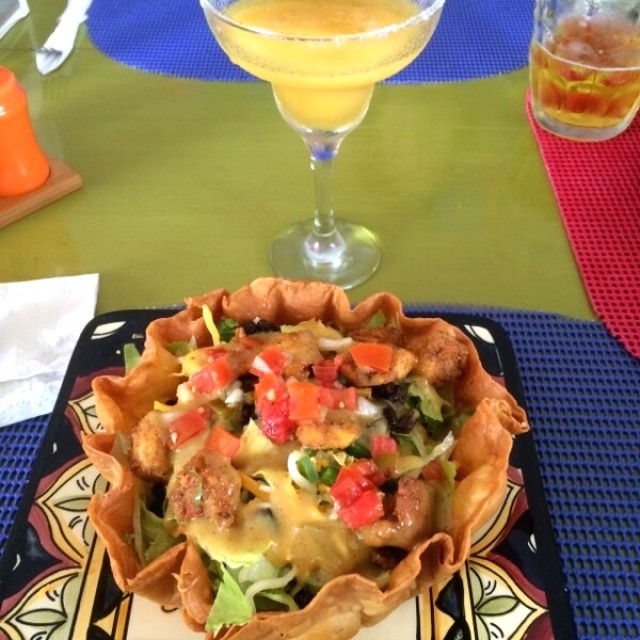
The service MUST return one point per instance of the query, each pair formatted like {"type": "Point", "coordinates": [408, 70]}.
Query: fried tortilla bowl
{"type": "Point", "coordinates": [178, 577]}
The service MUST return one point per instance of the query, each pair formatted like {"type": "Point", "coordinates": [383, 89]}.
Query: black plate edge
{"type": "Point", "coordinates": [558, 599]}
{"type": "Point", "coordinates": [26, 501]}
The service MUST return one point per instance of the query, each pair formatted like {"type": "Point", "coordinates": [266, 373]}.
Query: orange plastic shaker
{"type": "Point", "coordinates": [23, 165]}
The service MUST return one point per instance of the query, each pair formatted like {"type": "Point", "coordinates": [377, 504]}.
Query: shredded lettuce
{"type": "Point", "coordinates": [429, 401]}
{"type": "Point", "coordinates": [280, 597]}
{"type": "Point", "coordinates": [180, 347]}
{"type": "Point", "coordinates": [227, 329]}
{"type": "Point", "coordinates": [408, 464]}
{"type": "Point", "coordinates": [443, 450]}
{"type": "Point", "coordinates": [431, 405]}
{"type": "Point", "coordinates": [230, 606]}
{"type": "Point", "coordinates": [160, 539]}
{"type": "Point", "coordinates": [150, 536]}
{"type": "Point", "coordinates": [237, 591]}
{"type": "Point", "coordinates": [450, 470]}
{"type": "Point", "coordinates": [458, 421]}
{"type": "Point", "coordinates": [261, 569]}
{"type": "Point", "coordinates": [446, 489]}
{"type": "Point", "coordinates": [412, 441]}
{"type": "Point", "coordinates": [131, 356]}
{"type": "Point", "coordinates": [273, 585]}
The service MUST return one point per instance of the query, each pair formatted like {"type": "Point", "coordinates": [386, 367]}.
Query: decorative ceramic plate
{"type": "Point", "coordinates": [56, 584]}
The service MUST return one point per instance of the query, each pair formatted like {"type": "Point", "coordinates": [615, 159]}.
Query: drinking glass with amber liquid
{"type": "Point", "coordinates": [585, 67]}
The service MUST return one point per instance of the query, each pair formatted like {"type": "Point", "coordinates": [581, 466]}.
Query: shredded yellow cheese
{"type": "Point", "coordinates": [254, 487]}
{"type": "Point", "coordinates": [161, 406]}
{"type": "Point", "coordinates": [207, 316]}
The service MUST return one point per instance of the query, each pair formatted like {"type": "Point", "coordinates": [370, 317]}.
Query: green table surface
{"type": "Point", "coordinates": [185, 182]}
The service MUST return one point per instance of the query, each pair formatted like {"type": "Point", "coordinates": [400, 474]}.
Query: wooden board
{"type": "Point", "coordinates": [61, 181]}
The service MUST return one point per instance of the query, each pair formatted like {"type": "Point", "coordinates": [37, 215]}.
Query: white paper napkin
{"type": "Point", "coordinates": [40, 322]}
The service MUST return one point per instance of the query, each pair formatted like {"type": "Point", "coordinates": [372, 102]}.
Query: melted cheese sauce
{"type": "Point", "coordinates": [291, 529]}
{"type": "Point", "coordinates": [249, 537]}
{"type": "Point", "coordinates": [306, 537]}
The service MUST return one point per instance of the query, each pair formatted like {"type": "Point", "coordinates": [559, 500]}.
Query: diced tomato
{"type": "Point", "coordinates": [340, 398]}
{"type": "Point", "coordinates": [213, 377]}
{"type": "Point", "coordinates": [369, 470]}
{"type": "Point", "coordinates": [274, 420]}
{"type": "Point", "coordinates": [326, 371]}
{"type": "Point", "coordinates": [187, 426]}
{"type": "Point", "coordinates": [202, 382]}
{"type": "Point", "coordinates": [303, 400]}
{"type": "Point", "coordinates": [349, 486]}
{"type": "Point", "coordinates": [272, 406]}
{"type": "Point", "coordinates": [381, 444]}
{"type": "Point", "coordinates": [358, 499]}
{"type": "Point", "coordinates": [372, 355]}
{"type": "Point", "coordinates": [269, 388]}
{"type": "Point", "coordinates": [223, 442]}
{"type": "Point", "coordinates": [366, 509]}
{"type": "Point", "coordinates": [270, 361]}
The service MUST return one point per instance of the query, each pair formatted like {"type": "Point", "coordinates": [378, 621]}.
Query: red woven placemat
{"type": "Point", "coordinates": [597, 187]}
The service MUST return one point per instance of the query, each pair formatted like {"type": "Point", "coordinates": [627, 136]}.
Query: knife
{"type": "Point", "coordinates": [61, 41]}
{"type": "Point", "coordinates": [11, 12]}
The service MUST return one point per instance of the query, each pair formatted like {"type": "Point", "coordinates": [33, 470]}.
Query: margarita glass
{"type": "Point", "coordinates": [323, 58]}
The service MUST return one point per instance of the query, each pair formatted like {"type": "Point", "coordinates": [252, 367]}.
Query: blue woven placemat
{"type": "Point", "coordinates": [473, 40]}
{"type": "Point", "coordinates": [583, 395]}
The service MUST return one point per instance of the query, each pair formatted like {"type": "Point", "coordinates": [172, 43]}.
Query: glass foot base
{"type": "Point", "coordinates": [581, 134]}
{"type": "Point", "coordinates": [348, 258]}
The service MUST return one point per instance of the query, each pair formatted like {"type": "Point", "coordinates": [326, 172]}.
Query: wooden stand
{"type": "Point", "coordinates": [61, 181]}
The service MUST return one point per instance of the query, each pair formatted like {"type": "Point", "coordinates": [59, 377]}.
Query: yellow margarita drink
{"type": "Point", "coordinates": [323, 57]}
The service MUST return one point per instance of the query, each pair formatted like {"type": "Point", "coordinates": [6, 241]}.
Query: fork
{"type": "Point", "coordinates": [60, 43]}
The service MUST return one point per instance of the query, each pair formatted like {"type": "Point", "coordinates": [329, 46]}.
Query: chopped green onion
{"type": "Point", "coordinates": [308, 469]}
{"type": "Point", "coordinates": [358, 450]}
{"type": "Point", "coordinates": [328, 475]}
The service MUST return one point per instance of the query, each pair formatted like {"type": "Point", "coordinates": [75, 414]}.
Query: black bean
{"type": "Point", "coordinates": [156, 499]}
{"type": "Point", "coordinates": [265, 326]}
{"type": "Point", "coordinates": [388, 557]}
{"type": "Point", "coordinates": [400, 420]}
{"type": "Point", "coordinates": [259, 326]}
{"type": "Point", "coordinates": [304, 596]}
{"type": "Point", "coordinates": [406, 422]}
{"type": "Point", "coordinates": [247, 413]}
{"type": "Point", "coordinates": [390, 391]}
{"type": "Point", "coordinates": [248, 382]}
{"type": "Point", "coordinates": [390, 416]}
{"type": "Point", "coordinates": [249, 327]}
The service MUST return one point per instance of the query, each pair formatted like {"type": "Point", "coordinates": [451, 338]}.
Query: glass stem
{"type": "Point", "coordinates": [324, 244]}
